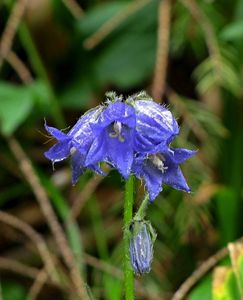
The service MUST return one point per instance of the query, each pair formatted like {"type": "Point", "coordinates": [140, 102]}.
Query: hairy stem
{"type": "Point", "coordinates": [128, 212]}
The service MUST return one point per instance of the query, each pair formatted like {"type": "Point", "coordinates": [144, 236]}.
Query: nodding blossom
{"type": "Point", "coordinates": [133, 135]}
{"type": "Point", "coordinates": [113, 139]}
{"type": "Point", "coordinates": [75, 144]}
{"type": "Point", "coordinates": [161, 168]}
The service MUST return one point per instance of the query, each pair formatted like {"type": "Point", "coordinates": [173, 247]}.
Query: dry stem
{"type": "Point", "coordinates": [19, 67]}
{"type": "Point", "coordinates": [113, 23]}
{"type": "Point", "coordinates": [17, 267]}
{"type": "Point", "coordinates": [158, 86]}
{"type": "Point", "coordinates": [38, 284]}
{"type": "Point", "coordinates": [35, 237]}
{"type": "Point", "coordinates": [11, 28]}
{"type": "Point", "coordinates": [57, 231]}
{"type": "Point", "coordinates": [74, 8]}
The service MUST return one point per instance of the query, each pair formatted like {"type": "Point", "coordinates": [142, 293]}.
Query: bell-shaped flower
{"type": "Point", "coordinates": [114, 137]}
{"type": "Point", "coordinates": [75, 143]}
{"type": "Point", "coordinates": [162, 168]}
{"type": "Point", "coordinates": [155, 126]}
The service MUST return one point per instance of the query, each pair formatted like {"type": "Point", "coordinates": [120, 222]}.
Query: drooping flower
{"type": "Point", "coordinates": [75, 143]}
{"type": "Point", "coordinates": [155, 125]}
{"type": "Point", "coordinates": [162, 168]}
{"type": "Point", "coordinates": [141, 246]}
{"type": "Point", "coordinates": [113, 135]}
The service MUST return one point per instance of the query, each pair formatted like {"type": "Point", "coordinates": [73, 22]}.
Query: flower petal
{"type": "Point", "coordinates": [174, 178]}
{"type": "Point", "coordinates": [155, 125]}
{"type": "Point", "coordinates": [59, 135]}
{"type": "Point", "coordinates": [77, 165]}
{"type": "Point", "coordinates": [59, 151]}
{"type": "Point", "coordinates": [151, 112]}
{"type": "Point", "coordinates": [117, 112]}
{"type": "Point", "coordinates": [180, 155]}
{"type": "Point", "coordinates": [97, 151]}
{"type": "Point", "coordinates": [120, 153]}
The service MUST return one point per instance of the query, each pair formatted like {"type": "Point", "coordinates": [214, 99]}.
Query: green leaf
{"type": "Point", "coordinates": [13, 291]}
{"type": "Point", "coordinates": [224, 284]}
{"type": "Point", "coordinates": [236, 256]}
{"type": "Point", "coordinates": [15, 106]}
{"type": "Point", "coordinates": [96, 17]}
{"type": "Point", "coordinates": [203, 290]}
{"type": "Point", "coordinates": [226, 212]}
{"type": "Point", "coordinates": [233, 31]}
{"type": "Point", "coordinates": [128, 60]}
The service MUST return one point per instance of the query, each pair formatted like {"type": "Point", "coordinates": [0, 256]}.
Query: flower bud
{"type": "Point", "coordinates": [141, 246]}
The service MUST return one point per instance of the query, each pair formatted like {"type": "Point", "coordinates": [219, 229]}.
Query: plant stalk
{"type": "Point", "coordinates": [128, 213]}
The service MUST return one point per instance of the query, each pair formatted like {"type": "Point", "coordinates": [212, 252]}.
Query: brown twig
{"type": "Point", "coordinates": [38, 284]}
{"type": "Point", "coordinates": [11, 28]}
{"type": "Point", "coordinates": [57, 231]}
{"type": "Point", "coordinates": [113, 23]}
{"type": "Point", "coordinates": [19, 67]}
{"type": "Point", "coordinates": [17, 267]}
{"type": "Point", "coordinates": [74, 8]}
{"type": "Point", "coordinates": [158, 86]}
{"type": "Point", "coordinates": [205, 267]}
{"type": "Point", "coordinates": [35, 237]}
{"type": "Point", "coordinates": [102, 265]}
{"type": "Point", "coordinates": [24, 270]}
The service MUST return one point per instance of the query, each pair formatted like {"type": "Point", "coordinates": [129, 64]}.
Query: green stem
{"type": "Point", "coordinates": [40, 70]}
{"type": "Point", "coordinates": [128, 213]}
{"type": "Point", "coordinates": [140, 214]}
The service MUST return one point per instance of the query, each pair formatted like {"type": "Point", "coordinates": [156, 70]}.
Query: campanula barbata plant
{"type": "Point", "coordinates": [133, 135]}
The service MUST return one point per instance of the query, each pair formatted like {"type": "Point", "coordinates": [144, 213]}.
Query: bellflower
{"type": "Point", "coordinates": [141, 246]}
{"type": "Point", "coordinates": [75, 143]}
{"type": "Point", "coordinates": [113, 135]}
{"type": "Point", "coordinates": [162, 168]}
{"type": "Point", "coordinates": [155, 125]}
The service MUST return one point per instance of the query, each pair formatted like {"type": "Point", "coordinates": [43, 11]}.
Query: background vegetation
{"type": "Point", "coordinates": [57, 59]}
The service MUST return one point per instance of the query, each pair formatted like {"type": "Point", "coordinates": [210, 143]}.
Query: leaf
{"type": "Point", "coordinates": [127, 61]}
{"type": "Point", "coordinates": [203, 290]}
{"type": "Point", "coordinates": [221, 73]}
{"type": "Point", "coordinates": [15, 106]}
{"type": "Point", "coordinates": [224, 284]}
{"type": "Point", "coordinates": [227, 209]}
{"type": "Point", "coordinates": [236, 256]}
{"type": "Point", "coordinates": [96, 17]}
{"type": "Point", "coordinates": [233, 31]}
{"type": "Point", "coordinates": [12, 290]}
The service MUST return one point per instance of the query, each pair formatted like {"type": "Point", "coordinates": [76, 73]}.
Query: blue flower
{"type": "Point", "coordinates": [75, 143]}
{"type": "Point", "coordinates": [114, 137]}
{"type": "Point", "coordinates": [162, 168]}
{"type": "Point", "coordinates": [141, 246]}
{"type": "Point", "coordinates": [155, 126]}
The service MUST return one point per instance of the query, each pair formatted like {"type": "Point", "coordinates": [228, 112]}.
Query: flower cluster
{"type": "Point", "coordinates": [133, 135]}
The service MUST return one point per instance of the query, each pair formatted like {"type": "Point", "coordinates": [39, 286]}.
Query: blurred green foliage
{"type": "Point", "coordinates": [67, 75]}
